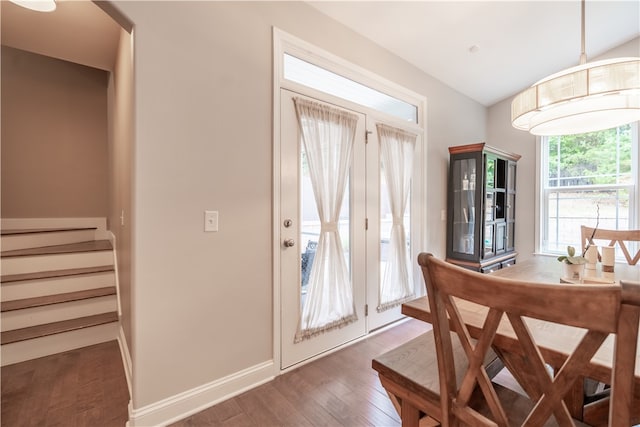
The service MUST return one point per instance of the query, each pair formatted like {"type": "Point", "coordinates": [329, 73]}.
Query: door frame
{"type": "Point", "coordinates": [286, 43]}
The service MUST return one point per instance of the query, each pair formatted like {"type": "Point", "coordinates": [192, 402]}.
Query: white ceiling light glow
{"type": "Point", "coordinates": [586, 98]}
{"type": "Point", "coordinates": [37, 5]}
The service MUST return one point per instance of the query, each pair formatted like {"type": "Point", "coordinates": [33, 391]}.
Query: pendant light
{"type": "Point", "coordinates": [585, 98]}
{"type": "Point", "coordinates": [37, 5]}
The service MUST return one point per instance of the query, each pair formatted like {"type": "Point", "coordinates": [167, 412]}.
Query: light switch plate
{"type": "Point", "coordinates": [210, 220]}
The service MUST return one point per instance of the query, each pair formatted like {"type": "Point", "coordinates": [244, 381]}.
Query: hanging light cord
{"type": "Point", "coordinates": [583, 54]}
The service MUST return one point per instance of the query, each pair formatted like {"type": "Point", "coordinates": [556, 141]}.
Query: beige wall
{"type": "Point", "coordinates": [502, 134]}
{"type": "Point", "coordinates": [54, 137]}
{"type": "Point", "coordinates": [120, 96]}
{"type": "Point", "coordinates": [202, 302]}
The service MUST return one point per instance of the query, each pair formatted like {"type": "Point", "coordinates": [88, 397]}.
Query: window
{"type": "Point", "coordinates": [326, 81]}
{"type": "Point", "coordinates": [586, 177]}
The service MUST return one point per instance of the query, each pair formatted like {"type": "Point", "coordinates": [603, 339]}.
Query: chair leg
{"type": "Point", "coordinates": [425, 421]}
{"type": "Point", "coordinates": [575, 399]}
{"type": "Point", "coordinates": [410, 415]}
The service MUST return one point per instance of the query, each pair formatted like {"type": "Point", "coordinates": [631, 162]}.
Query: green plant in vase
{"type": "Point", "coordinates": [572, 265]}
{"type": "Point", "coordinates": [571, 258]}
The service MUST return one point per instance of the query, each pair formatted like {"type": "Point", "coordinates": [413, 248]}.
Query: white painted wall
{"type": "Point", "coordinates": [202, 302]}
{"type": "Point", "coordinates": [501, 134]}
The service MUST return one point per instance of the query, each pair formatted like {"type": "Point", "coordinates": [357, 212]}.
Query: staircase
{"type": "Point", "coordinates": [58, 290]}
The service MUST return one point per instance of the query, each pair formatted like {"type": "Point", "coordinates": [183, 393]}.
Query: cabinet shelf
{"type": "Point", "coordinates": [481, 207]}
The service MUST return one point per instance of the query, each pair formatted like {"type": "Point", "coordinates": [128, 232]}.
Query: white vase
{"type": "Point", "coordinates": [572, 271]}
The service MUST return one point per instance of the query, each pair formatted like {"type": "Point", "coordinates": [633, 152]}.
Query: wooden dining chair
{"type": "Point", "coordinates": [596, 390]}
{"type": "Point", "coordinates": [600, 310]}
{"type": "Point", "coordinates": [612, 238]}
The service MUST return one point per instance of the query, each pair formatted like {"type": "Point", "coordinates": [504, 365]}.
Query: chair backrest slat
{"type": "Point", "coordinates": [575, 305]}
{"type": "Point", "coordinates": [619, 237]}
{"type": "Point", "coordinates": [600, 310]}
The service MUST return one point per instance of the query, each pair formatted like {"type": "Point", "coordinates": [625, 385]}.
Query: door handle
{"type": "Point", "coordinates": [289, 243]}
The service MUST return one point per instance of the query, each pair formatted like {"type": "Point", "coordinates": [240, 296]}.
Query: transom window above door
{"type": "Point", "coordinates": [315, 77]}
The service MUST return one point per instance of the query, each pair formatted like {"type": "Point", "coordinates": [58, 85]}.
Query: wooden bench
{"type": "Point", "coordinates": [409, 374]}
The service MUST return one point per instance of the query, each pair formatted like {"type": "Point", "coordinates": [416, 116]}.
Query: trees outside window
{"type": "Point", "coordinates": [584, 176]}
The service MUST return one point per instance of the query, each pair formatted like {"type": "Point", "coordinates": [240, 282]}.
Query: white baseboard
{"type": "Point", "coordinates": [126, 357]}
{"type": "Point", "coordinates": [189, 402]}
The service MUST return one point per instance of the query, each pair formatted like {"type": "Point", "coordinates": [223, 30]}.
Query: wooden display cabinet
{"type": "Point", "coordinates": [481, 207]}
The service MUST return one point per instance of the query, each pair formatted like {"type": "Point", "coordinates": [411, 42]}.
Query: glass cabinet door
{"type": "Point", "coordinates": [490, 172]}
{"type": "Point", "coordinates": [464, 183]}
{"type": "Point", "coordinates": [489, 206]}
{"type": "Point", "coordinates": [501, 237]}
{"type": "Point", "coordinates": [481, 201]}
{"type": "Point", "coordinates": [488, 241]}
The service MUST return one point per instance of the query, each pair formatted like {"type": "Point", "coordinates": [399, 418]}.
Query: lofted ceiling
{"type": "Point", "coordinates": [487, 50]}
{"type": "Point", "coordinates": [516, 42]}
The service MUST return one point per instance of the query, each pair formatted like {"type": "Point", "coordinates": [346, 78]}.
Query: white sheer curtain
{"type": "Point", "coordinates": [396, 150]}
{"type": "Point", "coordinates": [327, 135]}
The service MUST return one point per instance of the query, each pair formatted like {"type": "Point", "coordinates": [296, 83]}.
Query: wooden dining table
{"type": "Point", "coordinates": [556, 342]}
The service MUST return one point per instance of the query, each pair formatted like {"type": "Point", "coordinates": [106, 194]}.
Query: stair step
{"type": "Point", "coordinates": [35, 237]}
{"type": "Point", "coordinates": [14, 232]}
{"type": "Point", "coordinates": [51, 344]}
{"type": "Point", "coordinates": [57, 257]}
{"type": "Point", "coordinates": [55, 273]}
{"type": "Point", "coordinates": [57, 298]}
{"type": "Point", "coordinates": [38, 331]}
{"type": "Point", "coordinates": [91, 246]}
{"type": "Point", "coordinates": [39, 287]}
{"type": "Point", "coordinates": [52, 313]}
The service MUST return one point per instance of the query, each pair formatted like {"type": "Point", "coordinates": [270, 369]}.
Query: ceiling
{"type": "Point", "coordinates": [77, 31]}
{"type": "Point", "coordinates": [517, 42]}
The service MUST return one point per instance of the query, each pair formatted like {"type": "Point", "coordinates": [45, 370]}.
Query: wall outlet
{"type": "Point", "coordinates": [210, 220]}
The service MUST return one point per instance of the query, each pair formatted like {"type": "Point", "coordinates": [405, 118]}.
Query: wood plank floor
{"type": "Point", "coordinates": [87, 387]}
{"type": "Point", "coordinates": [83, 387]}
{"type": "Point", "coordinates": [340, 389]}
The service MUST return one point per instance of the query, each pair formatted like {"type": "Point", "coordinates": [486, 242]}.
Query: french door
{"type": "Point", "coordinates": [323, 305]}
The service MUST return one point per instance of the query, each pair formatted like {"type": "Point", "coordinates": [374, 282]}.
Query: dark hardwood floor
{"type": "Point", "coordinates": [84, 387]}
{"type": "Point", "coordinates": [87, 387]}
{"type": "Point", "coordinates": [340, 389]}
